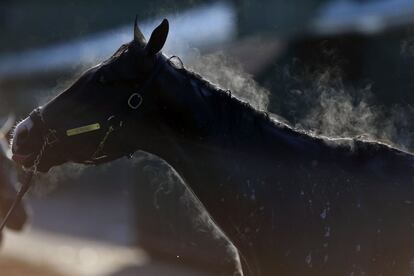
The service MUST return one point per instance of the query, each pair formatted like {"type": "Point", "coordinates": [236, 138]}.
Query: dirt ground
{"type": "Point", "coordinates": [38, 253]}
{"type": "Point", "coordinates": [13, 267]}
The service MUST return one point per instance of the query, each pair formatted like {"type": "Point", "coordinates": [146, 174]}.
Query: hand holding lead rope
{"type": "Point", "coordinates": [27, 181]}
{"type": "Point", "coordinates": [25, 187]}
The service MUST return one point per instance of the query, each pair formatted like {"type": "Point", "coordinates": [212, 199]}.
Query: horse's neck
{"type": "Point", "coordinates": [200, 139]}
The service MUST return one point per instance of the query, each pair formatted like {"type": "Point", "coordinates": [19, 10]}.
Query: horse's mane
{"type": "Point", "coordinates": [240, 108]}
{"type": "Point", "coordinates": [226, 96]}
{"type": "Point", "coordinates": [244, 108]}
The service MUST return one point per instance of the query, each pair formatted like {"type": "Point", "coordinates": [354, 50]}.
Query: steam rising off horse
{"type": "Point", "coordinates": [291, 203]}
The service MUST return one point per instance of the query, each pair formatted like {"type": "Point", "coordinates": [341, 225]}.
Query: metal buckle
{"type": "Point", "coordinates": [135, 97]}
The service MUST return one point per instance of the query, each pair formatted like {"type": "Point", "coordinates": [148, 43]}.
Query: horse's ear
{"type": "Point", "coordinates": [158, 38]}
{"type": "Point", "coordinates": [138, 36]}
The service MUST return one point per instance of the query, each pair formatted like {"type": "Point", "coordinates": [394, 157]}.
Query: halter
{"type": "Point", "coordinates": [52, 136]}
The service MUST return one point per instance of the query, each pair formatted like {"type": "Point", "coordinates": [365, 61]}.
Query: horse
{"type": "Point", "coordinates": [292, 203]}
{"type": "Point", "coordinates": [8, 180]}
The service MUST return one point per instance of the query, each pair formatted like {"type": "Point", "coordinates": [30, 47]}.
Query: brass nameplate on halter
{"type": "Point", "coordinates": [83, 129]}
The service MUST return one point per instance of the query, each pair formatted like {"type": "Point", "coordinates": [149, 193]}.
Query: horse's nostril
{"type": "Point", "coordinates": [21, 143]}
{"type": "Point", "coordinates": [23, 134]}
{"type": "Point", "coordinates": [21, 138]}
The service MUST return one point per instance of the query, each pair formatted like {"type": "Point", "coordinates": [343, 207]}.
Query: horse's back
{"type": "Point", "coordinates": [336, 209]}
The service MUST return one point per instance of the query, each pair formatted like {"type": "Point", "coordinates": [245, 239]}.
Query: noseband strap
{"type": "Point", "coordinates": [37, 119]}
{"type": "Point", "coordinates": [49, 134]}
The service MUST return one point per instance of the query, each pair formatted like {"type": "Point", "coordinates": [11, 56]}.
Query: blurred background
{"type": "Point", "coordinates": [332, 67]}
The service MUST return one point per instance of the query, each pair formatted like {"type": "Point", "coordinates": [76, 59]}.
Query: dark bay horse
{"type": "Point", "coordinates": [291, 203]}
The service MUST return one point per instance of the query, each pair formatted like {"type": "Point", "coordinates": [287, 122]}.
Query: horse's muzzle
{"type": "Point", "coordinates": [24, 143]}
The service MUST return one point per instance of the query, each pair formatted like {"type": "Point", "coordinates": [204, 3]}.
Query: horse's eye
{"type": "Point", "coordinates": [102, 79]}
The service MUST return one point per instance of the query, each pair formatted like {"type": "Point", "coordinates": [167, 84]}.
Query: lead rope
{"type": "Point", "coordinates": [25, 185]}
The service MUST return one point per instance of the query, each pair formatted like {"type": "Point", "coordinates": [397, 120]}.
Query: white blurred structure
{"type": "Point", "coordinates": [199, 27]}
{"type": "Point", "coordinates": [366, 17]}
{"type": "Point", "coordinates": [4, 129]}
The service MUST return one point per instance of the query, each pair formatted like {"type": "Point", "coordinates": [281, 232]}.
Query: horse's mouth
{"type": "Point", "coordinates": [25, 160]}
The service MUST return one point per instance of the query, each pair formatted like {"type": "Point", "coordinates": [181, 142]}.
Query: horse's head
{"type": "Point", "coordinates": [87, 123]}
